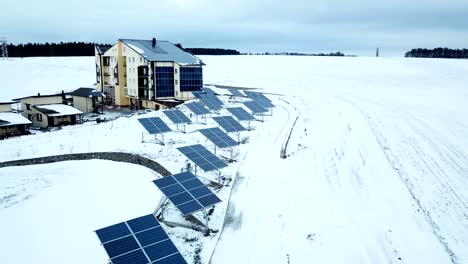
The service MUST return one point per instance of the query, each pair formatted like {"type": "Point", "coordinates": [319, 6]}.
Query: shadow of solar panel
{"type": "Point", "coordinates": [202, 157]}
{"type": "Point", "coordinates": [241, 114]}
{"type": "Point", "coordinates": [134, 257]}
{"type": "Point", "coordinates": [218, 137]}
{"type": "Point", "coordinates": [112, 232]}
{"type": "Point", "coordinates": [236, 92]}
{"type": "Point", "coordinates": [177, 116]}
{"type": "Point", "coordinates": [229, 124]}
{"type": "Point", "coordinates": [255, 107]}
{"type": "Point", "coordinates": [197, 108]}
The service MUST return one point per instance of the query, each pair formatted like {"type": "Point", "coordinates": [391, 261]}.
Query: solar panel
{"type": "Point", "coordinates": [229, 124]}
{"type": "Point", "coordinates": [202, 157]}
{"type": "Point", "coordinates": [218, 137]}
{"type": "Point", "coordinates": [177, 116]}
{"type": "Point", "coordinates": [187, 192]}
{"type": "Point", "coordinates": [254, 95]}
{"type": "Point", "coordinates": [211, 103]}
{"type": "Point", "coordinates": [208, 91]}
{"type": "Point", "coordinates": [198, 94]}
{"type": "Point", "coordinates": [236, 92]}
{"type": "Point", "coordinates": [154, 125]}
{"type": "Point", "coordinates": [197, 108]}
{"type": "Point", "coordinates": [255, 107]}
{"type": "Point", "coordinates": [241, 114]}
{"type": "Point", "coordinates": [139, 241]}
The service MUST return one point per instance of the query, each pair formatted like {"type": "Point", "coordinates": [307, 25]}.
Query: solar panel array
{"type": "Point", "coordinates": [177, 116]}
{"type": "Point", "coordinates": [202, 157]}
{"type": "Point", "coordinates": [139, 241]}
{"type": "Point", "coordinates": [208, 91]}
{"type": "Point", "coordinates": [261, 99]}
{"type": "Point", "coordinates": [255, 107]}
{"type": "Point", "coordinates": [236, 92]}
{"type": "Point", "coordinates": [187, 192]}
{"type": "Point", "coordinates": [254, 95]}
{"type": "Point", "coordinates": [154, 125]}
{"type": "Point", "coordinates": [198, 94]}
{"type": "Point", "coordinates": [197, 108]}
{"type": "Point", "coordinates": [211, 102]}
{"type": "Point", "coordinates": [229, 124]}
{"type": "Point", "coordinates": [218, 137]}
{"type": "Point", "coordinates": [241, 114]}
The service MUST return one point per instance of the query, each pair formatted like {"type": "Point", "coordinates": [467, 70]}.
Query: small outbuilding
{"type": "Point", "coordinates": [13, 124]}
{"type": "Point", "coordinates": [5, 106]}
{"type": "Point", "coordinates": [51, 115]}
{"type": "Point", "coordinates": [87, 99]}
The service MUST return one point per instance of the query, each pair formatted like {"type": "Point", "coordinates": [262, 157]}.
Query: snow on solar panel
{"type": "Point", "coordinates": [236, 92]}
{"type": "Point", "coordinates": [241, 114]}
{"type": "Point", "coordinates": [229, 124]}
{"type": "Point", "coordinates": [211, 103]}
{"type": "Point", "coordinates": [255, 107]}
{"type": "Point", "coordinates": [177, 116]}
{"type": "Point", "coordinates": [197, 108]}
{"type": "Point", "coordinates": [139, 241]}
{"type": "Point", "coordinates": [218, 137]}
{"type": "Point", "coordinates": [187, 192]}
{"type": "Point", "coordinates": [154, 125]}
{"type": "Point", "coordinates": [202, 157]}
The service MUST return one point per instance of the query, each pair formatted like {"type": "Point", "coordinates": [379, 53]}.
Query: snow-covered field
{"type": "Point", "coordinates": [377, 170]}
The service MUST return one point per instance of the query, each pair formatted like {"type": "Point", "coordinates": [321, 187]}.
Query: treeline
{"type": "Point", "coordinates": [333, 54]}
{"type": "Point", "coordinates": [438, 53]}
{"type": "Point", "coordinates": [203, 51]}
{"type": "Point", "coordinates": [52, 49]}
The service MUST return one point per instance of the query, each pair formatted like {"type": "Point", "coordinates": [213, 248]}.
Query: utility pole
{"type": "Point", "coordinates": [4, 47]}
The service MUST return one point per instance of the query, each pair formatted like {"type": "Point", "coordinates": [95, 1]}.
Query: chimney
{"type": "Point", "coordinates": [154, 42]}
{"type": "Point", "coordinates": [39, 94]}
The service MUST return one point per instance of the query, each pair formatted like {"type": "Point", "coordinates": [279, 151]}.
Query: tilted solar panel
{"type": "Point", "coordinates": [198, 94]}
{"type": "Point", "coordinates": [187, 192]}
{"type": "Point", "coordinates": [211, 103]}
{"type": "Point", "coordinates": [154, 125]}
{"type": "Point", "coordinates": [197, 108]}
{"type": "Point", "coordinates": [218, 137]}
{"type": "Point", "coordinates": [177, 116]}
{"type": "Point", "coordinates": [255, 107]}
{"type": "Point", "coordinates": [139, 241]}
{"type": "Point", "coordinates": [236, 92]}
{"type": "Point", "coordinates": [229, 124]}
{"type": "Point", "coordinates": [241, 114]}
{"type": "Point", "coordinates": [202, 157]}
{"type": "Point", "coordinates": [208, 90]}
{"type": "Point", "coordinates": [256, 95]}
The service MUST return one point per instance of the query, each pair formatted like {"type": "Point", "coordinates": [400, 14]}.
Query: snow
{"type": "Point", "coordinates": [61, 109]}
{"type": "Point", "coordinates": [14, 119]}
{"type": "Point", "coordinates": [136, 48]}
{"type": "Point", "coordinates": [376, 168]}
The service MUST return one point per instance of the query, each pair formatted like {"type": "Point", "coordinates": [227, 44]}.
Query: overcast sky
{"type": "Point", "coordinates": [350, 26]}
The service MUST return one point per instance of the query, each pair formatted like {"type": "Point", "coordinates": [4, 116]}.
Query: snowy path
{"type": "Point", "coordinates": [337, 192]}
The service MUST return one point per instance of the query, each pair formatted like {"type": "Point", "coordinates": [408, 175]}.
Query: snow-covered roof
{"type": "Point", "coordinates": [57, 110]}
{"type": "Point", "coordinates": [11, 119]}
{"type": "Point", "coordinates": [162, 51]}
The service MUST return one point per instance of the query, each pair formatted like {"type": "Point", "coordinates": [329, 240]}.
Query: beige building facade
{"type": "Point", "coordinates": [147, 73]}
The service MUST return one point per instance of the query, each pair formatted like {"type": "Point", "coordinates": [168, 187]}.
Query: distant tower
{"type": "Point", "coordinates": [3, 47]}
{"type": "Point", "coordinates": [377, 52]}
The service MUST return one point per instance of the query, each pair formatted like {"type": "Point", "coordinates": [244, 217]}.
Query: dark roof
{"type": "Point", "coordinates": [86, 92]}
{"type": "Point", "coordinates": [40, 96]}
{"type": "Point", "coordinates": [102, 49]}
{"type": "Point", "coordinates": [162, 51]}
{"type": "Point", "coordinates": [6, 103]}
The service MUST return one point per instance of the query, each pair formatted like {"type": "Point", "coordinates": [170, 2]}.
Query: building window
{"type": "Point", "coordinates": [176, 82]}
{"type": "Point", "coordinates": [28, 107]}
{"type": "Point", "coordinates": [39, 117]}
{"type": "Point", "coordinates": [191, 79]}
{"type": "Point", "coordinates": [30, 117]}
{"type": "Point", "coordinates": [164, 81]}
{"type": "Point", "coordinates": [141, 59]}
{"type": "Point", "coordinates": [175, 70]}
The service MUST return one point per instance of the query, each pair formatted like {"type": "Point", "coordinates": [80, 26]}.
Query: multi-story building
{"type": "Point", "coordinates": [147, 73]}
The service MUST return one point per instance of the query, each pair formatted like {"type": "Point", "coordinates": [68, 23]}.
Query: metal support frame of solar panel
{"type": "Point", "coordinates": [229, 124]}
{"type": "Point", "coordinates": [202, 157]}
{"type": "Point", "coordinates": [177, 117]}
{"type": "Point", "coordinates": [139, 241]}
{"type": "Point", "coordinates": [187, 192]}
{"type": "Point", "coordinates": [154, 126]}
{"type": "Point", "coordinates": [211, 103]}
